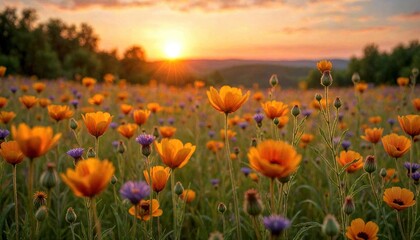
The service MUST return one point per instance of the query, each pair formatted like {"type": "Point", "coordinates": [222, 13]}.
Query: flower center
{"type": "Point", "coordinates": [363, 235]}
{"type": "Point", "coordinates": [398, 201]}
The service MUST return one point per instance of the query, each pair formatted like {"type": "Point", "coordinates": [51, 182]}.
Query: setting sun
{"type": "Point", "coordinates": [172, 50]}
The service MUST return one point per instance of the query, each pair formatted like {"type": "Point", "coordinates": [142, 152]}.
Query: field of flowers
{"type": "Point", "coordinates": [105, 159]}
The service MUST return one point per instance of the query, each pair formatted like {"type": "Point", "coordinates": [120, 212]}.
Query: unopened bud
{"type": "Point", "coordinates": [41, 213]}
{"type": "Point", "coordinates": [71, 215]}
{"type": "Point", "coordinates": [221, 208]}
{"type": "Point", "coordinates": [415, 72]}
{"type": "Point", "coordinates": [254, 142]}
{"type": "Point", "coordinates": [285, 179]}
{"type": "Point", "coordinates": [273, 80]}
{"type": "Point", "coordinates": [252, 204]}
{"type": "Point", "coordinates": [49, 177]}
{"type": "Point", "coordinates": [330, 227]}
{"type": "Point", "coordinates": [318, 97]}
{"type": "Point", "coordinates": [337, 103]}
{"type": "Point", "coordinates": [121, 148]}
{"type": "Point", "coordinates": [91, 153]}
{"type": "Point", "coordinates": [383, 172]}
{"type": "Point", "coordinates": [276, 121]}
{"type": "Point", "coordinates": [114, 180]}
{"type": "Point", "coordinates": [326, 79]}
{"type": "Point", "coordinates": [73, 124]}
{"type": "Point", "coordinates": [355, 78]}
{"type": "Point", "coordinates": [155, 132]}
{"type": "Point", "coordinates": [348, 206]}
{"type": "Point", "coordinates": [236, 150]}
{"type": "Point", "coordinates": [178, 189]}
{"type": "Point", "coordinates": [295, 111]}
{"type": "Point", "coordinates": [370, 164]}
{"type": "Point", "coordinates": [39, 199]}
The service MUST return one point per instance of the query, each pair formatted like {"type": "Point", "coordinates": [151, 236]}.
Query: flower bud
{"type": "Point", "coordinates": [252, 204]}
{"type": "Point", "coordinates": [326, 79]}
{"type": "Point", "coordinates": [285, 179]}
{"type": "Point", "coordinates": [49, 177]}
{"type": "Point", "coordinates": [348, 206]}
{"type": "Point", "coordinates": [221, 208]}
{"type": "Point", "coordinates": [41, 213]}
{"type": "Point", "coordinates": [216, 236]}
{"type": "Point", "coordinates": [295, 111]}
{"type": "Point", "coordinates": [146, 150]}
{"type": "Point", "coordinates": [355, 78]}
{"type": "Point", "coordinates": [91, 153]}
{"type": "Point", "coordinates": [254, 142]}
{"type": "Point", "coordinates": [155, 132]}
{"type": "Point", "coordinates": [178, 189]}
{"type": "Point", "coordinates": [121, 148]}
{"type": "Point", "coordinates": [370, 164]}
{"type": "Point", "coordinates": [330, 227]}
{"type": "Point", "coordinates": [114, 180]}
{"type": "Point", "coordinates": [318, 97]}
{"type": "Point", "coordinates": [236, 150]}
{"type": "Point", "coordinates": [415, 72]}
{"type": "Point", "coordinates": [39, 199]}
{"type": "Point", "coordinates": [273, 80]}
{"type": "Point", "coordinates": [71, 216]}
{"type": "Point", "coordinates": [73, 124]}
{"type": "Point", "coordinates": [383, 172]}
{"type": "Point", "coordinates": [337, 103]}
{"type": "Point", "coordinates": [276, 121]}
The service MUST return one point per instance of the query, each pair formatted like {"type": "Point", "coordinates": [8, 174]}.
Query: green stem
{"type": "Point", "coordinates": [72, 231]}
{"type": "Point", "coordinates": [136, 211]}
{"type": "Point", "coordinates": [173, 201]}
{"type": "Point", "coordinates": [96, 220]}
{"type": "Point", "coordinates": [272, 195]}
{"type": "Point", "coordinates": [89, 212]}
{"type": "Point", "coordinates": [256, 228]}
{"type": "Point", "coordinates": [400, 225]}
{"type": "Point", "coordinates": [232, 180]}
{"type": "Point", "coordinates": [16, 202]}
{"type": "Point", "coordinates": [30, 191]}
{"type": "Point", "coordinates": [97, 147]}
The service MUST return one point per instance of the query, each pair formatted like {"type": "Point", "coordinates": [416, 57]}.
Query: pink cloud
{"type": "Point", "coordinates": [412, 16]}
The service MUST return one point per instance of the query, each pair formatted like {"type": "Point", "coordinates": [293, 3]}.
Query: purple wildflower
{"type": "Point", "coordinates": [113, 125]}
{"type": "Point", "coordinates": [258, 117]}
{"type": "Point", "coordinates": [145, 139]}
{"type": "Point", "coordinates": [246, 171]}
{"type": "Point", "coordinates": [346, 145]}
{"type": "Point", "coordinates": [416, 177]}
{"type": "Point", "coordinates": [135, 191]}
{"type": "Point", "coordinates": [414, 167]}
{"type": "Point", "coordinates": [74, 103]}
{"type": "Point", "coordinates": [243, 125]}
{"type": "Point", "coordinates": [75, 153]}
{"type": "Point", "coordinates": [215, 182]}
{"type": "Point", "coordinates": [4, 133]}
{"type": "Point", "coordinates": [13, 89]}
{"type": "Point", "coordinates": [276, 224]}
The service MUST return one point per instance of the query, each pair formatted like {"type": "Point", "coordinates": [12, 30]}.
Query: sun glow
{"type": "Point", "coordinates": [172, 50]}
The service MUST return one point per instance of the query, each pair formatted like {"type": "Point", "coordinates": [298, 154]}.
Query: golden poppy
{"type": "Point", "coordinates": [97, 99]}
{"type": "Point", "coordinates": [167, 131]}
{"type": "Point", "coordinates": [305, 139]}
{"type": "Point", "coordinates": [403, 81]}
{"type": "Point", "coordinates": [214, 146]}
{"type": "Point", "coordinates": [90, 177]}
{"type": "Point", "coordinates": [59, 112]}
{"type": "Point", "coordinates": [399, 198]}
{"type": "Point", "coordinates": [143, 210]}
{"type": "Point", "coordinates": [391, 175]}
{"type": "Point", "coordinates": [34, 142]}
{"type": "Point", "coordinates": [2, 71]}
{"type": "Point", "coordinates": [375, 119]}
{"type": "Point", "coordinates": [228, 99]}
{"type": "Point", "coordinates": [396, 146]}
{"type": "Point", "coordinates": [315, 104]}
{"type": "Point", "coordinates": [122, 84]}
{"type": "Point", "coordinates": [416, 103]}
{"type": "Point", "coordinates": [174, 153]}
{"type": "Point", "coordinates": [109, 78]}
{"type": "Point", "coordinates": [28, 101]}
{"type": "Point", "coordinates": [231, 134]}
{"type": "Point", "coordinates": [274, 159]}
{"type": "Point", "coordinates": [44, 102]}
{"type": "Point", "coordinates": [188, 195]}
{"type": "Point", "coordinates": [122, 96]}
{"type": "Point", "coordinates": [24, 88]}
{"type": "Point", "coordinates": [258, 96]}
{"type": "Point", "coordinates": [324, 66]}
{"type": "Point", "coordinates": [140, 116]}
{"type": "Point", "coordinates": [127, 130]}
{"type": "Point", "coordinates": [199, 84]}
{"type": "Point", "coordinates": [6, 117]}
{"type": "Point", "coordinates": [282, 121]}
{"type": "Point", "coordinates": [160, 176]}
{"type": "Point", "coordinates": [254, 177]}
{"type": "Point", "coordinates": [410, 124]}
{"type": "Point", "coordinates": [154, 107]}
{"type": "Point", "coordinates": [275, 109]}
{"type": "Point", "coordinates": [126, 108]}
{"type": "Point", "coordinates": [38, 87]}
{"type": "Point", "coordinates": [373, 135]}
{"type": "Point", "coordinates": [3, 102]}
{"type": "Point", "coordinates": [361, 87]}
{"type": "Point", "coordinates": [88, 82]}
{"type": "Point", "coordinates": [347, 157]}
{"type": "Point", "coordinates": [11, 152]}
{"type": "Point", "coordinates": [65, 98]}
{"type": "Point", "coordinates": [97, 122]}
{"type": "Point", "coordinates": [359, 230]}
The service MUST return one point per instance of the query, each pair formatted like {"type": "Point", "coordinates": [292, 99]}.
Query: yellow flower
{"type": "Point", "coordinates": [274, 159]}
{"type": "Point", "coordinates": [199, 84]}
{"type": "Point", "coordinates": [58, 112]}
{"type": "Point", "coordinates": [140, 116]}
{"type": "Point", "coordinates": [90, 177]}
{"type": "Point", "coordinates": [6, 117]}
{"type": "Point", "coordinates": [410, 124]}
{"type": "Point", "coordinates": [228, 99]}
{"type": "Point", "coordinates": [188, 195]}
{"type": "Point", "coordinates": [373, 135]}
{"type": "Point", "coordinates": [174, 153]}
{"type": "Point", "coordinates": [160, 176]}
{"type": "Point", "coordinates": [143, 210]}
{"type": "Point", "coordinates": [347, 157]}
{"type": "Point", "coordinates": [258, 96]}
{"type": "Point", "coordinates": [34, 142]}
{"type": "Point", "coordinates": [324, 66]}
{"type": "Point", "coordinates": [399, 198]}
{"type": "Point", "coordinates": [28, 101]}
{"type": "Point", "coordinates": [167, 131]}
{"type": "Point", "coordinates": [127, 130]}
{"type": "Point", "coordinates": [231, 134]}
{"type": "Point", "coordinates": [396, 146]}
{"type": "Point", "coordinates": [11, 152]}
{"type": "Point", "coordinates": [359, 230]}
{"type": "Point", "coordinates": [275, 109]}
{"type": "Point", "coordinates": [391, 175]}
{"type": "Point", "coordinates": [97, 123]}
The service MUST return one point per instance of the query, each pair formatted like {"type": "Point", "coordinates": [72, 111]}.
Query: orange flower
{"type": "Point", "coordinates": [361, 87]}
{"type": "Point", "coordinates": [160, 176]}
{"type": "Point", "coordinates": [375, 119]}
{"type": "Point", "coordinates": [274, 159]}
{"type": "Point", "coordinates": [11, 152]}
{"type": "Point", "coordinates": [28, 101]}
{"type": "Point", "coordinates": [34, 142]}
{"type": "Point", "coordinates": [97, 99]}
{"type": "Point", "coordinates": [44, 102]}
{"type": "Point", "coordinates": [347, 157]}
{"type": "Point", "coordinates": [90, 177]}
{"type": "Point", "coordinates": [228, 99]}
{"type": "Point", "coordinates": [2, 71]}
{"type": "Point", "coordinates": [396, 146]}
{"type": "Point", "coordinates": [373, 135]}
{"type": "Point", "coordinates": [282, 121]}
{"type": "Point", "coordinates": [141, 116]}
{"type": "Point", "coordinates": [275, 109]}
{"type": "Point", "coordinates": [38, 87]}
{"type": "Point", "coordinates": [214, 146]}
{"type": "Point", "coordinates": [399, 198]}
{"type": "Point", "coordinates": [127, 130]}
{"type": "Point", "coordinates": [126, 108]}
{"type": "Point", "coordinates": [410, 124]}
{"type": "Point", "coordinates": [359, 230]}
{"type": "Point", "coordinates": [188, 195]}
{"type": "Point", "coordinates": [3, 102]}
{"type": "Point", "coordinates": [97, 123]}
{"type": "Point", "coordinates": [167, 131]}
{"type": "Point", "coordinates": [403, 81]}
{"type": "Point", "coordinates": [6, 117]}
{"type": "Point", "coordinates": [230, 134]}
{"type": "Point", "coordinates": [324, 66]}
{"type": "Point", "coordinates": [258, 96]}
{"type": "Point", "coordinates": [24, 88]}
{"type": "Point", "coordinates": [154, 107]}
{"type": "Point", "coordinates": [253, 176]}
{"type": "Point", "coordinates": [65, 98]}
{"type": "Point", "coordinates": [109, 78]}
{"type": "Point", "coordinates": [315, 104]}
{"type": "Point", "coordinates": [88, 82]}
{"type": "Point", "coordinates": [122, 96]}
{"type": "Point", "coordinates": [306, 139]}
{"type": "Point", "coordinates": [143, 210]}
{"type": "Point", "coordinates": [391, 175]}
{"type": "Point", "coordinates": [58, 112]}
{"type": "Point", "coordinates": [199, 84]}
{"type": "Point", "coordinates": [174, 153]}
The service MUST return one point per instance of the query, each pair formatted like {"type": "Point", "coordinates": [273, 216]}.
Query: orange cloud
{"type": "Point", "coordinates": [412, 16]}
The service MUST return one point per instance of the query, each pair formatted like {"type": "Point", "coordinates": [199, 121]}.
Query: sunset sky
{"type": "Point", "coordinates": [246, 29]}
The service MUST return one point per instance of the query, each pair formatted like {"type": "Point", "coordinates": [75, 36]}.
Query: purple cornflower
{"type": "Point", "coordinates": [391, 122]}
{"type": "Point", "coordinates": [115, 144]}
{"type": "Point", "coordinates": [243, 125]}
{"type": "Point", "coordinates": [75, 152]}
{"type": "Point", "coordinates": [145, 139]}
{"type": "Point", "coordinates": [161, 121]}
{"type": "Point", "coordinates": [171, 121]}
{"type": "Point", "coordinates": [215, 182]}
{"type": "Point", "coordinates": [416, 177]}
{"type": "Point", "coordinates": [276, 224]}
{"type": "Point", "coordinates": [307, 112]}
{"type": "Point", "coordinates": [135, 191]}
{"type": "Point", "coordinates": [74, 103]}
{"type": "Point", "coordinates": [113, 125]}
{"type": "Point", "coordinates": [4, 133]}
{"type": "Point", "coordinates": [346, 145]}
{"type": "Point", "coordinates": [246, 171]}
{"type": "Point", "coordinates": [414, 167]}
{"type": "Point", "coordinates": [258, 117]}
{"type": "Point", "coordinates": [13, 89]}
{"type": "Point", "coordinates": [212, 133]}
